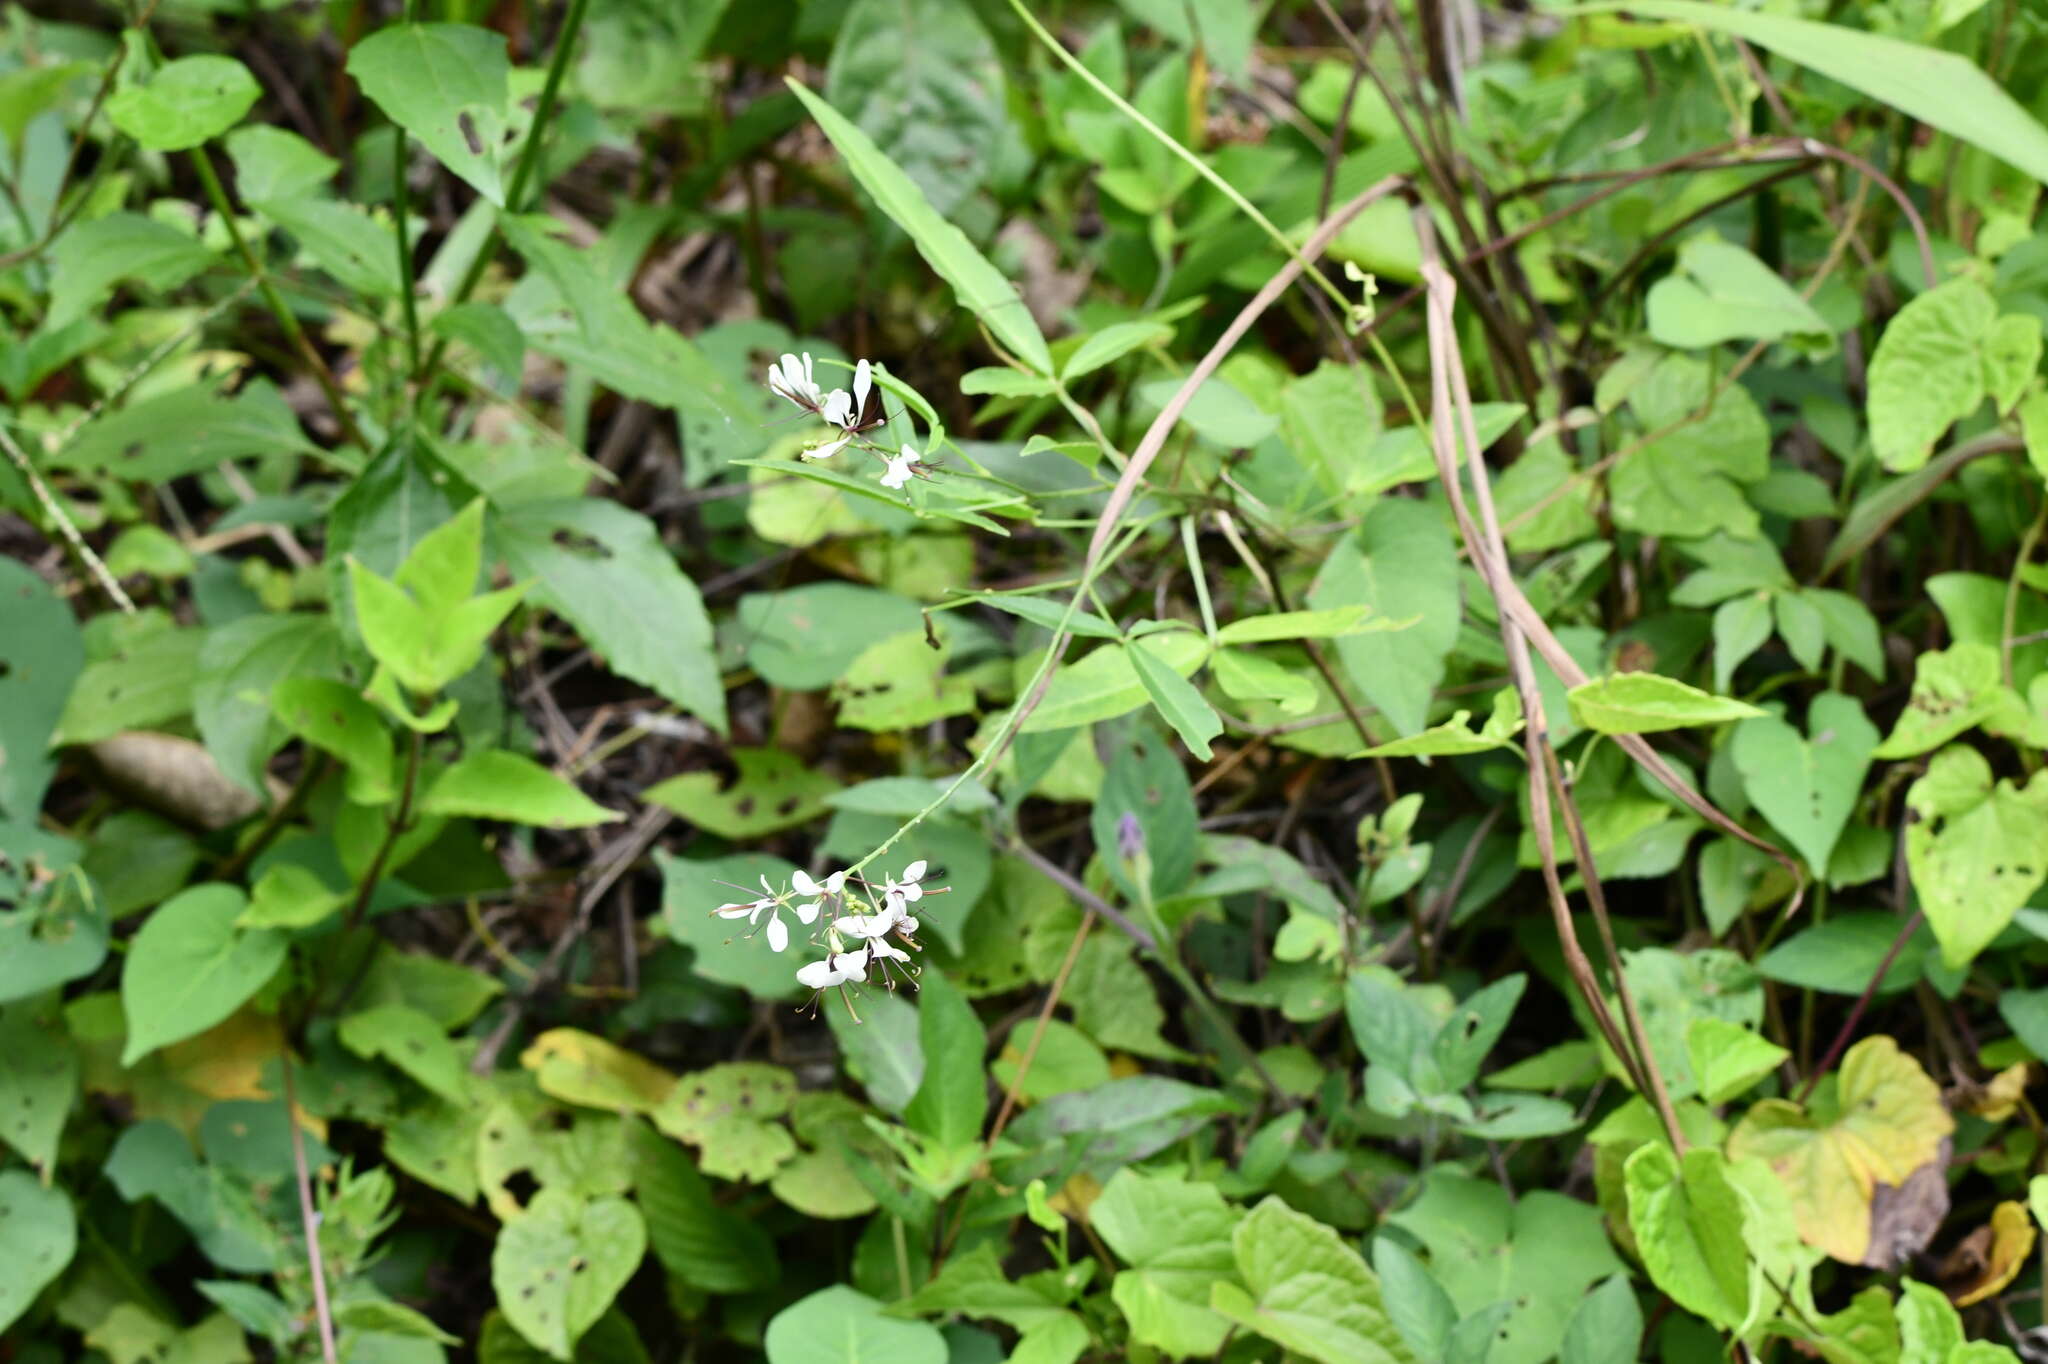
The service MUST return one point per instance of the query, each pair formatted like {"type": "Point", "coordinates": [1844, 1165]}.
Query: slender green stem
{"type": "Point", "coordinates": [1173, 145]}
{"type": "Point", "coordinates": [1201, 577]}
{"type": "Point", "coordinates": [218, 197]}
{"type": "Point", "coordinates": [401, 206]}
{"type": "Point", "coordinates": [522, 172]}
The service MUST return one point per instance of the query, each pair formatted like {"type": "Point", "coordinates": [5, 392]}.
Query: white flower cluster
{"type": "Point", "coordinates": [867, 928]}
{"type": "Point", "coordinates": [848, 414]}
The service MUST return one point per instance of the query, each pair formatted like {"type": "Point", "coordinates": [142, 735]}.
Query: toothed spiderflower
{"type": "Point", "coordinates": [770, 904]}
{"type": "Point", "coordinates": [792, 378]}
{"type": "Point", "coordinates": [839, 968]}
{"type": "Point", "coordinates": [899, 895]}
{"type": "Point", "coordinates": [863, 926]}
{"type": "Point", "coordinates": [902, 465]}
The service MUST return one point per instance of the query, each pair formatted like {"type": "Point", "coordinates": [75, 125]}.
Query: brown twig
{"type": "Point", "coordinates": [309, 1218]}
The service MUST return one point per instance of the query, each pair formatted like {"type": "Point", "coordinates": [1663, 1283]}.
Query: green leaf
{"type": "Point", "coordinates": [272, 163]}
{"type": "Point", "coordinates": [1309, 1292]}
{"type": "Point", "coordinates": [495, 784]}
{"type": "Point", "coordinates": [141, 685]}
{"type": "Point", "coordinates": [411, 1041]}
{"type": "Point", "coordinates": [191, 966]}
{"type": "Point", "coordinates": [2012, 357]}
{"type": "Point", "coordinates": [1927, 372]}
{"type": "Point", "coordinates": [900, 682]}
{"type": "Point", "coordinates": [343, 240]}
{"type": "Point", "coordinates": [38, 1237]}
{"type": "Point", "coordinates": [1456, 735]}
{"type": "Point", "coordinates": [774, 790]}
{"type": "Point", "coordinates": [185, 431]}
{"type": "Point", "coordinates": [921, 80]}
{"type": "Point", "coordinates": [1607, 1327]}
{"type": "Point", "coordinates": [334, 718]}
{"type": "Point", "coordinates": [1104, 684]}
{"type": "Point", "coordinates": [1977, 851]}
{"type": "Point", "coordinates": [1938, 88]}
{"type": "Point", "coordinates": [882, 1050]}
{"type": "Point", "coordinates": [446, 84]}
{"type": "Point", "coordinates": [1741, 625]}
{"type": "Point", "coordinates": [91, 258]}
{"type": "Point", "coordinates": [1183, 707]}
{"type": "Point", "coordinates": [41, 655]}
{"type": "Point", "coordinates": [1720, 292]}
{"type": "Point", "coordinates": [1402, 566]}
{"type": "Point", "coordinates": [1728, 1058]}
{"type": "Point", "coordinates": [977, 284]}
{"type": "Point", "coordinates": [840, 1326]}
{"type": "Point", "coordinates": [289, 895]}
{"type": "Point", "coordinates": [1176, 1237]}
{"type": "Point", "coordinates": [1112, 344]}
{"type": "Point", "coordinates": [38, 1079]}
{"type": "Point", "coordinates": [557, 1267]}
{"type": "Point", "coordinates": [1247, 676]}
{"type": "Point", "coordinates": [692, 888]}
{"type": "Point", "coordinates": [974, 1283]}
{"type": "Point", "coordinates": [1841, 955]}
{"type": "Point", "coordinates": [1689, 481]}
{"type": "Point", "coordinates": [185, 102]}
{"type": "Point", "coordinates": [951, 1102]}
{"type": "Point", "coordinates": [1292, 625]}
{"type": "Point", "coordinates": [1644, 703]}
{"type": "Point", "coordinates": [1954, 690]}
{"type": "Point", "coordinates": [798, 638]}
{"type": "Point", "coordinates": [1807, 786]}
{"type": "Point", "coordinates": [28, 91]}
{"type": "Point", "coordinates": [487, 329]}
{"type": "Point", "coordinates": [1421, 1310]}
{"type": "Point", "coordinates": [711, 1248]}
{"type": "Point", "coordinates": [605, 570]}
{"type": "Point", "coordinates": [1688, 1224]}
{"type": "Point", "coordinates": [1930, 1328]}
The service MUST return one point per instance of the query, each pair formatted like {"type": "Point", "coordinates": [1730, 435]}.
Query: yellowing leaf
{"type": "Point", "coordinates": [1875, 1122]}
{"type": "Point", "coordinates": [577, 1068]}
{"type": "Point", "coordinates": [1990, 1256]}
{"type": "Point", "coordinates": [2000, 1098]}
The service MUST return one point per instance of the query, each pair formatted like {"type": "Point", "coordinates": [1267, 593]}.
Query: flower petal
{"type": "Point", "coordinates": [778, 934]}
{"type": "Point", "coordinates": [915, 871]}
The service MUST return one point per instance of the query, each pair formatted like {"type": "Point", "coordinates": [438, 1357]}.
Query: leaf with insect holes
{"type": "Point", "coordinates": [557, 1267]}
{"type": "Point", "coordinates": [447, 85]}
{"type": "Point", "coordinates": [730, 1111]}
{"type": "Point", "coordinates": [38, 1236]}
{"type": "Point", "coordinates": [1977, 850]}
{"type": "Point", "coordinates": [774, 790]}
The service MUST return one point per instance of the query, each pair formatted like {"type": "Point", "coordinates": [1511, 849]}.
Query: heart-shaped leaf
{"type": "Point", "coordinates": [1806, 787]}
{"type": "Point", "coordinates": [558, 1267]}
{"type": "Point", "coordinates": [38, 1234]}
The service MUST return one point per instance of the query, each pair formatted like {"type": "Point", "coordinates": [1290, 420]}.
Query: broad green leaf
{"type": "Point", "coordinates": [272, 163]}
{"type": "Point", "coordinates": [1674, 990]}
{"type": "Point", "coordinates": [1930, 1328]}
{"type": "Point", "coordinates": [605, 570]}
{"type": "Point", "coordinates": [446, 84]}
{"type": "Point", "coordinates": [1421, 1310]}
{"type": "Point", "coordinates": [2012, 357]}
{"type": "Point", "coordinates": [952, 1098]}
{"type": "Point", "coordinates": [1147, 782]}
{"type": "Point", "coordinates": [411, 1041]}
{"type": "Point", "coordinates": [190, 966]}
{"type": "Point", "coordinates": [922, 81]}
{"type": "Point", "coordinates": [38, 1236]}
{"type": "Point", "coordinates": [41, 655]}
{"type": "Point", "coordinates": [1246, 676]}
{"type": "Point", "coordinates": [726, 950]}
{"type": "Point", "coordinates": [240, 663]}
{"type": "Point", "coordinates": [185, 431]}
{"type": "Point", "coordinates": [1540, 1252]}
{"type": "Point", "coordinates": [1544, 500]}
{"type": "Point", "coordinates": [1841, 955]}
{"type": "Point", "coordinates": [494, 784]}
{"type": "Point", "coordinates": [710, 1247]}
{"type": "Point", "coordinates": [1688, 1224]}
{"type": "Point", "coordinates": [90, 258]}
{"type": "Point", "coordinates": [1401, 565]}
{"type": "Point", "coordinates": [898, 683]}
{"type": "Point", "coordinates": [1104, 684]}
{"type": "Point", "coordinates": [1954, 689]}
{"type": "Point", "coordinates": [1327, 416]}
{"type": "Point", "coordinates": [424, 647]}
{"type": "Point", "coordinates": [1977, 851]}
{"type": "Point", "coordinates": [730, 1112]}
{"type": "Point", "coordinates": [977, 284]}
{"type": "Point", "coordinates": [343, 240]}
{"type": "Point", "coordinates": [840, 1326]}
{"type": "Point", "coordinates": [1807, 785]}
{"type": "Point", "coordinates": [28, 91]}
{"type": "Point", "coordinates": [1938, 88]}
{"type": "Point", "coordinates": [487, 329]}
{"type": "Point", "coordinates": [141, 685]}
{"type": "Point", "coordinates": [974, 1284]}
{"type": "Point", "coordinates": [1177, 699]}
{"type": "Point", "coordinates": [882, 1050]}
{"type": "Point", "coordinates": [38, 1079]}
{"type": "Point", "coordinates": [1875, 1121]}
{"type": "Point", "coordinates": [185, 102]}
{"type": "Point", "coordinates": [557, 1267]}
{"type": "Point", "coordinates": [289, 895]}
{"type": "Point", "coordinates": [1306, 1291]}
{"type": "Point", "coordinates": [1689, 481]}
{"type": "Point", "coordinates": [1114, 1124]}
{"type": "Point", "coordinates": [1175, 1236]}
{"type": "Point", "coordinates": [1720, 292]}
{"type": "Point", "coordinates": [1066, 1061]}
{"type": "Point", "coordinates": [1928, 372]}
{"type": "Point", "coordinates": [1728, 1058]}
{"type": "Point", "coordinates": [1645, 703]}
{"type": "Point", "coordinates": [1607, 1327]}
{"type": "Point", "coordinates": [773, 790]}
{"type": "Point", "coordinates": [798, 638]}
{"type": "Point", "coordinates": [334, 718]}
{"type": "Point", "coordinates": [1291, 625]}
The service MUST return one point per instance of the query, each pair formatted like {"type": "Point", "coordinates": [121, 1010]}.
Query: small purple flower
{"type": "Point", "coordinates": [1130, 837]}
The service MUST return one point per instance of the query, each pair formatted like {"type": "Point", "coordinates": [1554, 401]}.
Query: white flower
{"type": "Point", "coordinates": [863, 382]}
{"type": "Point", "coordinates": [898, 472]}
{"type": "Point", "coordinates": [792, 379]}
{"type": "Point", "coordinates": [899, 895]}
{"type": "Point", "coordinates": [829, 448]}
{"type": "Point", "coordinates": [866, 926]}
{"type": "Point", "coordinates": [837, 969]}
{"type": "Point", "coordinates": [839, 408]}
{"type": "Point", "coordinates": [818, 892]}
{"type": "Point", "coordinates": [769, 904]}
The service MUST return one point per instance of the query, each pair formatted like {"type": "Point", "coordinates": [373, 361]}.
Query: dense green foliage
{"type": "Point", "coordinates": [958, 680]}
